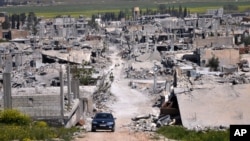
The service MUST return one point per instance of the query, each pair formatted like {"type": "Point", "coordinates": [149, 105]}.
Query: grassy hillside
{"type": "Point", "coordinates": [89, 7]}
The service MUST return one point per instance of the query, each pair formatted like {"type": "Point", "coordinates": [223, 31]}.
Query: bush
{"type": "Point", "coordinates": [13, 127]}
{"type": "Point", "coordinates": [33, 132]}
{"type": "Point", "coordinates": [41, 124]}
{"type": "Point", "coordinates": [213, 63]}
{"type": "Point", "coordinates": [11, 116]}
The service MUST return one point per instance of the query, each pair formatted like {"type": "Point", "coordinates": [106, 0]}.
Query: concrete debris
{"type": "Point", "coordinates": [244, 65]}
{"type": "Point", "coordinates": [143, 123]}
{"type": "Point", "coordinates": [102, 95]}
{"type": "Point", "coordinates": [151, 122]}
{"type": "Point", "coordinates": [141, 117]}
{"type": "Point", "coordinates": [165, 120]}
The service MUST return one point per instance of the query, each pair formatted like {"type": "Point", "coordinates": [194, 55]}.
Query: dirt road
{"type": "Point", "coordinates": [129, 104]}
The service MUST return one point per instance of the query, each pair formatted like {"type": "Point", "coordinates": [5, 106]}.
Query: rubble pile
{"type": "Point", "coordinates": [143, 123]}
{"type": "Point", "coordinates": [238, 79]}
{"type": "Point", "coordinates": [102, 95]}
{"type": "Point", "coordinates": [144, 73]}
{"type": "Point", "coordinates": [101, 101]}
{"type": "Point", "coordinates": [150, 122]}
{"type": "Point", "coordinates": [184, 82]}
{"type": "Point", "coordinates": [244, 65]}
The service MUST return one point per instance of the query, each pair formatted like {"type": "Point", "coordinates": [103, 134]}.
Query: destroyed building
{"type": "Point", "coordinates": [165, 58]}
{"type": "Point", "coordinates": [188, 67]}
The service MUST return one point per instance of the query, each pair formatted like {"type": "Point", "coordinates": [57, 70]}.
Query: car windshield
{"type": "Point", "coordinates": [103, 116]}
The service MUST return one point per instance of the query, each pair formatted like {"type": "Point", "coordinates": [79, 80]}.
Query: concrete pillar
{"type": "Point", "coordinates": [121, 38]}
{"type": "Point", "coordinates": [175, 78]}
{"type": "Point", "coordinates": [8, 63]}
{"type": "Point", "coordinates": [61, 93]}
{"type": "Point", "coordinates": [75, 87]}
{"type": "Point", "coordinates": [155, 82]}
{"type": "Point", "coordinates": [17, 60]}
{"type": "Point", "coordinates": [147, 44]}
{"type": "Point", "coordinates": [7, 90]}
{"type": "Point", "coordinates": [1, 61]}
{"type": "Point", "coordinates": [7, 82]}
{"type": "Point", "coordinates": [155, 38]}
{"type": "Point", "coordinates": [87, 105]}
{"type": "Point", "coordinates": [69, 87]}
{"type": "Point", "coordinates": [171, 45]}
{"type": "Point", "coordinates": [155, 70]}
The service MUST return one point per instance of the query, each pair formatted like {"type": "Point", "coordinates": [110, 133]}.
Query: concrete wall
{"type": "Point", "coordinates": [38, 105]}
{"type": "Point", "coordinates": [1, 34]}
{"type": "Point", "coordinates": [45, 103]}
{"type": "Point", "coordinates": [214, 42]}
{"type": "Point", "coordinates": [2, 19]}
{"type": "Point", "coordinates": [228, 56]}
{"type": "Point", "coordinates": [19, 34]}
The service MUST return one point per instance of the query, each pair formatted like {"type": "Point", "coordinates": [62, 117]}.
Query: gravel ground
{"type": "Point", "coordinates": [129, 103]}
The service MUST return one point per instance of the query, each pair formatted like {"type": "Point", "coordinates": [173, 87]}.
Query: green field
{"type": "Point", "coordinates": [82, 7]}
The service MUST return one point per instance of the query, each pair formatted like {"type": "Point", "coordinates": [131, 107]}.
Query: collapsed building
{"type": "Point", "coordinates": [186, 71]}
{"type": "Point", "coordinates": [41, 77]}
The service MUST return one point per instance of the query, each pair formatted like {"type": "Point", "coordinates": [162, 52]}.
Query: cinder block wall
{"type": "Point", "coordinates": [37, 105]}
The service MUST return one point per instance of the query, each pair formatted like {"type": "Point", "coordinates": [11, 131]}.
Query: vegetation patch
{"type": "Point", "coordinates": [95, 7]}
{"type": "Point", "coordinates": [180, 133]}
{"type": "Point", "coordinates": [18, 126]}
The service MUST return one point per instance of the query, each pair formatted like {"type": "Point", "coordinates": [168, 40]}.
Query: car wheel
{"type": "Point", "coordinates": [113, 129]}
{"type": "Point", "coordinates": [93, 130]}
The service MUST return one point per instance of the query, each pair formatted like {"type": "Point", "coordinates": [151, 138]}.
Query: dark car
{"type": "Point", "coordinates": [103, 121]}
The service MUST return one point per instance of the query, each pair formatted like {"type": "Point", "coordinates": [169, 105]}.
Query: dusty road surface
{"type": "Point", "coordinates": [129, 103]}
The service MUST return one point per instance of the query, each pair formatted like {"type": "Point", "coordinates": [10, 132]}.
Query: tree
{"type": "Point", "coordinates": [173, 12]}
{"type": "Point", "coordinates": [185, 12]}
{"type": "Point", "coordinates": [230, 7]}
{"type": "Point", "coordinates": [162, 8]}
{"type": "Point", "coordinates": [6, 23]}
{"type": "Point", "coordinates": [18, 22]}
{"type": "Point", "coordinates": [169, 10]}
{"type": "Point", "coordinates": [180, 14]}
{"type": "Point", "coordinates": [121, 15]}
{"type": "Point", "coordinates": [246, 41]}
{"type": "Point", "coordinates": [92, 22]}
{"type": "Point", "coordinates": [14, 20]}
{"type": "Point", "coordinates": [22, 18]}
{"type": "Point", "coordinates": [32, 21]}
{"type": "Point", "coordinates": [213, 63]}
